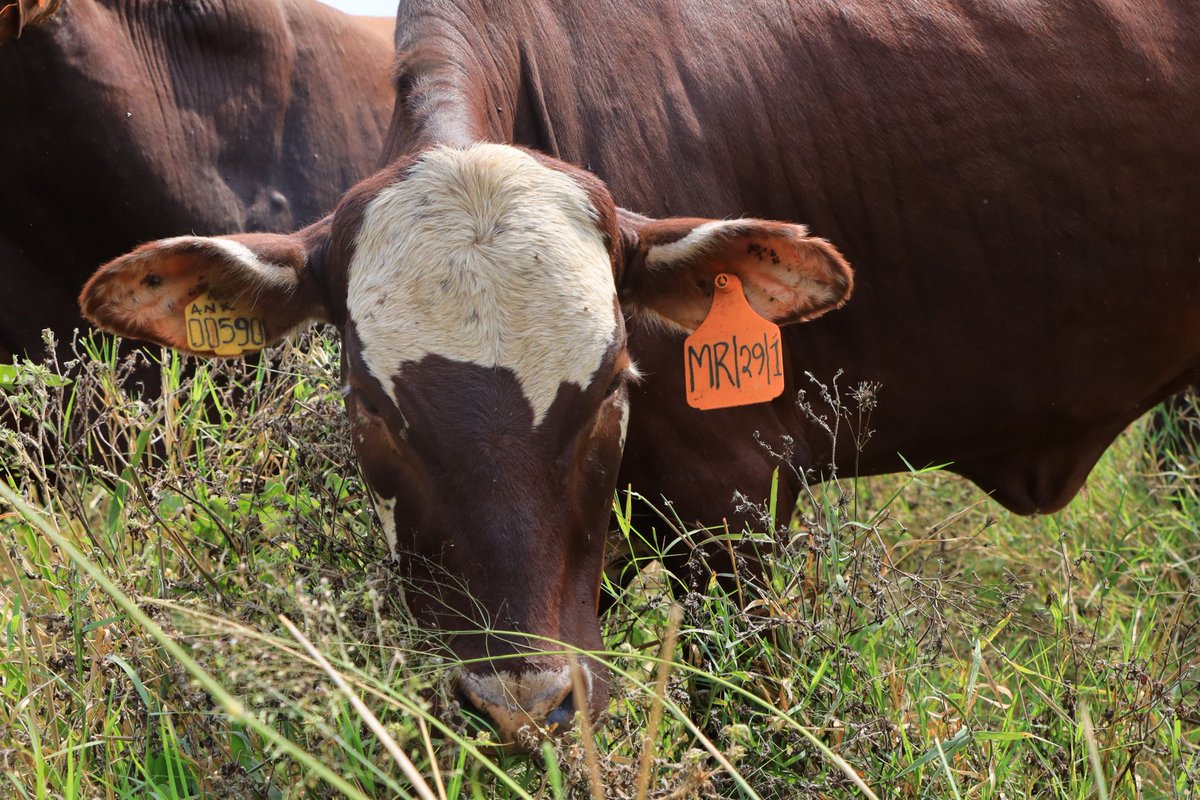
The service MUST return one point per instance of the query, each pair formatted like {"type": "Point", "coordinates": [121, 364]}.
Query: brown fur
{"type": "Point", "coordinates": [1016, 185]}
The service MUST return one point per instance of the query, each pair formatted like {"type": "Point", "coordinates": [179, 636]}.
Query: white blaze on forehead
{"type": "Point", "coordinates": [484, 256]}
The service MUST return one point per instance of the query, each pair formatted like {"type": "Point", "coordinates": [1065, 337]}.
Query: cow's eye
{"type": "Point", "coordinates": [366, 406]}
{"type": "Point", "coordinates": [616, 385]}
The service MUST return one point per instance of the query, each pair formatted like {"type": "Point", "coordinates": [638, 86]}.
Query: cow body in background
{"type": "Point", "coordinates": [1016, 185]}
{"type": "Point", "coordinates": [127, 122]}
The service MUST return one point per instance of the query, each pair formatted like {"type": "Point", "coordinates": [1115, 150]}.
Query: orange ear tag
{"type": "Point", "coordinates": [735, 357]}
{"type": "Point", "coordinates": [223, 328]}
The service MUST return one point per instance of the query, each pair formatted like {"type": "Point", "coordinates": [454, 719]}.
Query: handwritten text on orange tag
{"type": "Point", "coordinates": [222, 328]}
{"type": "Point", "coordinates": [735, 357]}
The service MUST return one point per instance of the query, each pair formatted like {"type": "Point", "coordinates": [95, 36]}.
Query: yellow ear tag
{"type": "Point", "coordinates": [735, 357]}
{"type": "Point", "coordinates": [222, 327]}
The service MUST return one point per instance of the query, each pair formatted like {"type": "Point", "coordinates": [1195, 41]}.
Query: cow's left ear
{"type": "Point", "coordinates": [275, 279]}
{"type": "Point", "coordinates": [670, 266]}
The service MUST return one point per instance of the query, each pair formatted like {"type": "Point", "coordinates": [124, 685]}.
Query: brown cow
{"type": "Point", "coordinates": [124, 122]}
{"type": "Point", "coordinates": [1015, 182]}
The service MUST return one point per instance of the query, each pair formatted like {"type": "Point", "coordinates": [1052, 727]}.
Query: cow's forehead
{"type": "Point", "coordinates": [484, 256]}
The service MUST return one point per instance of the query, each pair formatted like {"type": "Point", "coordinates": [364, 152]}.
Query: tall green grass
{"type": "Point", "coordinates": [194, 604]}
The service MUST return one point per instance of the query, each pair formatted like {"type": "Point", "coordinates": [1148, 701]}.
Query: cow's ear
{"type": "Point", "coordinates": [18, 15]}
{"type": "Point", "coordinates": [275, 278]}
{"type": "Point", "coordinates": [670, 266]}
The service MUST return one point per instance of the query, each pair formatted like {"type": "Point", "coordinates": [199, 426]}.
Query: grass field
{"type": "Point", "coordinates": [193, 605]}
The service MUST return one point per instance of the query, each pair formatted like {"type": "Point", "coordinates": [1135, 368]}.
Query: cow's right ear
{"type": "Point", "coordinates": [276, 278]}
{"type": "Point", "coordinates": [670, 267]}
{"type": "Point", "coordinates": [18, 15]}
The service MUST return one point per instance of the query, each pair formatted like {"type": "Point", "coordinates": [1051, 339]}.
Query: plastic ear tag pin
{"type": "Point", "coordinates": [222, 327]}
{"type": "Point", "coordinates": [735, 357]}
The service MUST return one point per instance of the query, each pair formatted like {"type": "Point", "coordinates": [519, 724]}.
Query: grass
{"type": "Point", "coordinates": [193, 604]}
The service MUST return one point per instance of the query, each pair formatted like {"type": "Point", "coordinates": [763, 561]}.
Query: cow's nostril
{"type": "Point", "coordinates": [561, 719]}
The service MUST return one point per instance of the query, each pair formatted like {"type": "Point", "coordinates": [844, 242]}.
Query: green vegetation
{"type": "Point", "coordinates": [193, 605]}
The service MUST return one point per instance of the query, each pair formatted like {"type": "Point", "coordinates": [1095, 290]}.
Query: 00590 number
{"type": "Point", "coordinates": [218, 333]}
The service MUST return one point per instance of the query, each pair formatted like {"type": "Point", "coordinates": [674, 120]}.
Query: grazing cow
{"type": "Point", "coordinates": [124, 122]}
{"type": "Point", "coordinates": [486, 370]}
{"type": "Point", "coordinates": [1016, 184]}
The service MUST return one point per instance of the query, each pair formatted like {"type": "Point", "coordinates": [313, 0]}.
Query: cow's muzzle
{"type": "Point", "coordinates": [524, 706]}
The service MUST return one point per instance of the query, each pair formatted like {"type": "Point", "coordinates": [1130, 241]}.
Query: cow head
{"type": "Point", "coordinates": [481, 294]}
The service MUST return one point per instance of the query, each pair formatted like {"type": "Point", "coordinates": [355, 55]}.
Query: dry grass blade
{"type": "Point", "coordinates": [582, 705]}
{"type": "Point", "coordinates": [1089, 736]}
{"type": "Point", "coordinates": [433, 761]}
{"type": "Point", "coordinates": [406, 766]}
{"type": "Point", "coordinates": [660, 692]}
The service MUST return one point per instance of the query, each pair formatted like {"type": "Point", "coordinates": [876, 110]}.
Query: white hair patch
{"type": "Point", "coordinates": [266, 274]}
{"type": "Point", "coordinates": [699, 239]}
{"type": "Point", "coordinates": [623, 410]}
{"type": "Point", "coordinates": [386, 509]}
{"type": "Point", "coordinates": [484, 256]}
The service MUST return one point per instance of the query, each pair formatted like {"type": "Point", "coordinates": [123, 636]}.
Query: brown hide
{"type": "Point", "coordinates": [1015, 184]}
{"type": "Point", "coordinates": [132, 121]}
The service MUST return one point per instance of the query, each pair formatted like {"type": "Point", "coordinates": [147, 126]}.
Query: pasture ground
{"type": "Point", "coordinates": [913, 641]}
